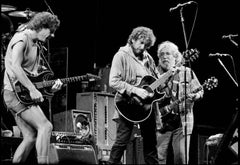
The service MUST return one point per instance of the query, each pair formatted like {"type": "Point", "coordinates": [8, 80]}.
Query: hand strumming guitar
{"type": "Point", "coordinates": [35, 95]}
{"type": "Point", "coordinates": [193, 96]}
{"type": "Point", "coordinates": [142, 93]}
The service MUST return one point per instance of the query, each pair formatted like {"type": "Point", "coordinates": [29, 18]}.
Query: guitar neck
{"type": "Point", "coordinates": [49, 83]}
{"type": "Point", "coordinates": [173, 104]}
{"type": "Point", "coordinates": [161, 80]}
{"type": "Point", "coordinates": [169, 73]}
{"type": "Point", "coordinates": [165, 76]}
{"type": "Point", "coordinates": [72, 79]}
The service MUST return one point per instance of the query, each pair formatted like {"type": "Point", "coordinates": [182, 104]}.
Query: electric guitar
{"type": "Point", "coordinates": [166, 107]}
{"type": "Point", "coordinates": [42, 83]}
{"type": "Point", "coordinates": [135, 109]}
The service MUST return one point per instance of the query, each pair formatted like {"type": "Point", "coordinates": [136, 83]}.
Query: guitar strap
{"type": "Point", "coordinates": [153, 72]}
{"type": "Point", "coordinates": [150, 66]}
{"type": "Point", "coordinates": [10, 80]}
{"type": "Point", "coordinates": [174, 90]}
{"type": "Point", "coordinates": [175, 85]}
{"type": "Point", "coordinates": [40, 51]}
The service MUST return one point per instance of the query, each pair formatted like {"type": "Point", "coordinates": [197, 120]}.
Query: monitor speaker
{"type": "Point", "coordinates": [77, 121]}
{"type": "Point", "coordinates": [70, 153]}
{"type": "Point", "coordinates": [227, 152]}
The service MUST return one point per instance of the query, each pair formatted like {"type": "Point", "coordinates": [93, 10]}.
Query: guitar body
{"type": "Point", "coordinates": [170, 121]}
{"type": "Point", "coordinates": [133, 108]}
{"type": "Point", "coordinates": [22, 92]}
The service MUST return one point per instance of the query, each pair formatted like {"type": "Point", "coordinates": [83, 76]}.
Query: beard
{"type": "Point", "coordinates": [138, 53]}
{"type": "Point", "coordinates": [165, 66]}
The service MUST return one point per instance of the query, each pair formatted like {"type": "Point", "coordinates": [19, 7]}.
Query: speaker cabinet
{"type": "Point", "coordinates": [199, 151]}
{"type": "Point", "coordinates": [101, 105]}
{"type": "Point", "coordinates": [77, 121]}
{"type": "Point", "coordinates": [227, 152]}
{"type": "Point", "coordinates": [202, 149]}
{"type": "Point", "coordinates": [69, 153]}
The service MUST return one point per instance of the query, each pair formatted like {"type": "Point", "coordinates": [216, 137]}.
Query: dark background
{"type": "Point", "coordinates": [94, 30]}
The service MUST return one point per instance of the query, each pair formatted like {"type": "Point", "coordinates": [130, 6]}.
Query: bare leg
{"type": "Point", "coordinates": [28, 142]}
{"type": "Point", "coordinates": [35, 117]}
{"type": "Point", "coordinates": [34, 126]}
{"type": "Point", "coordinates": [43, 142]}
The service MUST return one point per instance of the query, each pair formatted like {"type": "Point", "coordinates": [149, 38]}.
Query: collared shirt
{"type": "Point", "coordinates": [177, 88]}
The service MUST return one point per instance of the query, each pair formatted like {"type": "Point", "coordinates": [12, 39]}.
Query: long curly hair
{"type": "Point", "coordinates": [142, 32]}
{"type": "Point", "coordinates": [44, 20]}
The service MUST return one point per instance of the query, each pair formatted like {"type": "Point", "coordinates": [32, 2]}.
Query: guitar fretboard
{"type": "Point", "coordinates": [49, 83]}
{"type": "Point", "coordinates": [212, 82]}
{"type": "Point", "coordinates": [160, 81]}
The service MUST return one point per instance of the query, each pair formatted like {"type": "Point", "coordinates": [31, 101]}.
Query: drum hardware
{"type": "Point", "coordinates": [7, 25]}
{"type": "Point", "coordinates": [6, 8]}
{"type": "Point", "coordinates": [7, 29]}
{"type": "Point", "coordinates": [25, 14]}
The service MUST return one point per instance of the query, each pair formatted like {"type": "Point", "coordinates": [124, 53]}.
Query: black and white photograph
{"type": "Point", "coordinates": [147, 82]}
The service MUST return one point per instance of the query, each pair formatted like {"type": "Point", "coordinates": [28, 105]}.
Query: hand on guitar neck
{"type": "Point", "coordinates": [42, 84]}
{"type": "Point", "coordinates": [168, 75]}
{"type": "Point", "coordinates": [57, 86]}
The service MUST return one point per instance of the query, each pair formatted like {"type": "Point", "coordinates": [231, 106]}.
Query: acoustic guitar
{"type": "Point", "coordinates": [135, 109]}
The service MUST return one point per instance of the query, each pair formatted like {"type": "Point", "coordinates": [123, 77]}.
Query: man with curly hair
{"type": "Point", "coordinates": [129, 65]}
{"type": "Point", "coordinates": [23, 59]}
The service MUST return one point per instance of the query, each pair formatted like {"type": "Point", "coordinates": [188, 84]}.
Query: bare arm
{"type": "Point", "coordinates": [17, 58]}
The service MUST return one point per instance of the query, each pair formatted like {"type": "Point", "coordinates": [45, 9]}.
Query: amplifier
{"type": "Point", "coordinates": [70, 138]}
{"type": "Point", "coordinates": [70, 153]}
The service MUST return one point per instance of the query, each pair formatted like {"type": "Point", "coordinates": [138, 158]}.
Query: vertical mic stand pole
{"type": "Point", "coordinates": [185, 89]}
{"type": "Point", "coordinates": [50, 97]}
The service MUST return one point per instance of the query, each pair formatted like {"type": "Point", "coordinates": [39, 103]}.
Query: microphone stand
{"type": "Point", "coordinates": [185, 87]}
{"type": "Point", "coordinates": [228, 72]}
{"type": "Point", "coordinates": [228, 134]}
{"type": "Point", "coordinates": [50, 97]}
{"type": "Point", "coordinates": [236, 44]}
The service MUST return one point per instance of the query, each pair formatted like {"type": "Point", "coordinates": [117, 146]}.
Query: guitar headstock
{"type": "Point", "coordinates": [191, 54]}
{"type": "Point", "coordinates": [92, 77]}
{"type": "Point", "coordinates": [211, 83]}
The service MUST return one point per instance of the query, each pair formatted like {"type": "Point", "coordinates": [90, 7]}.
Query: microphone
{"type": "Point", "coordinates": [180, 5]}
{"type": "Point", "coordinates": [218, 55]}
{"type": "Point", "coordinates": [229, 36]}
